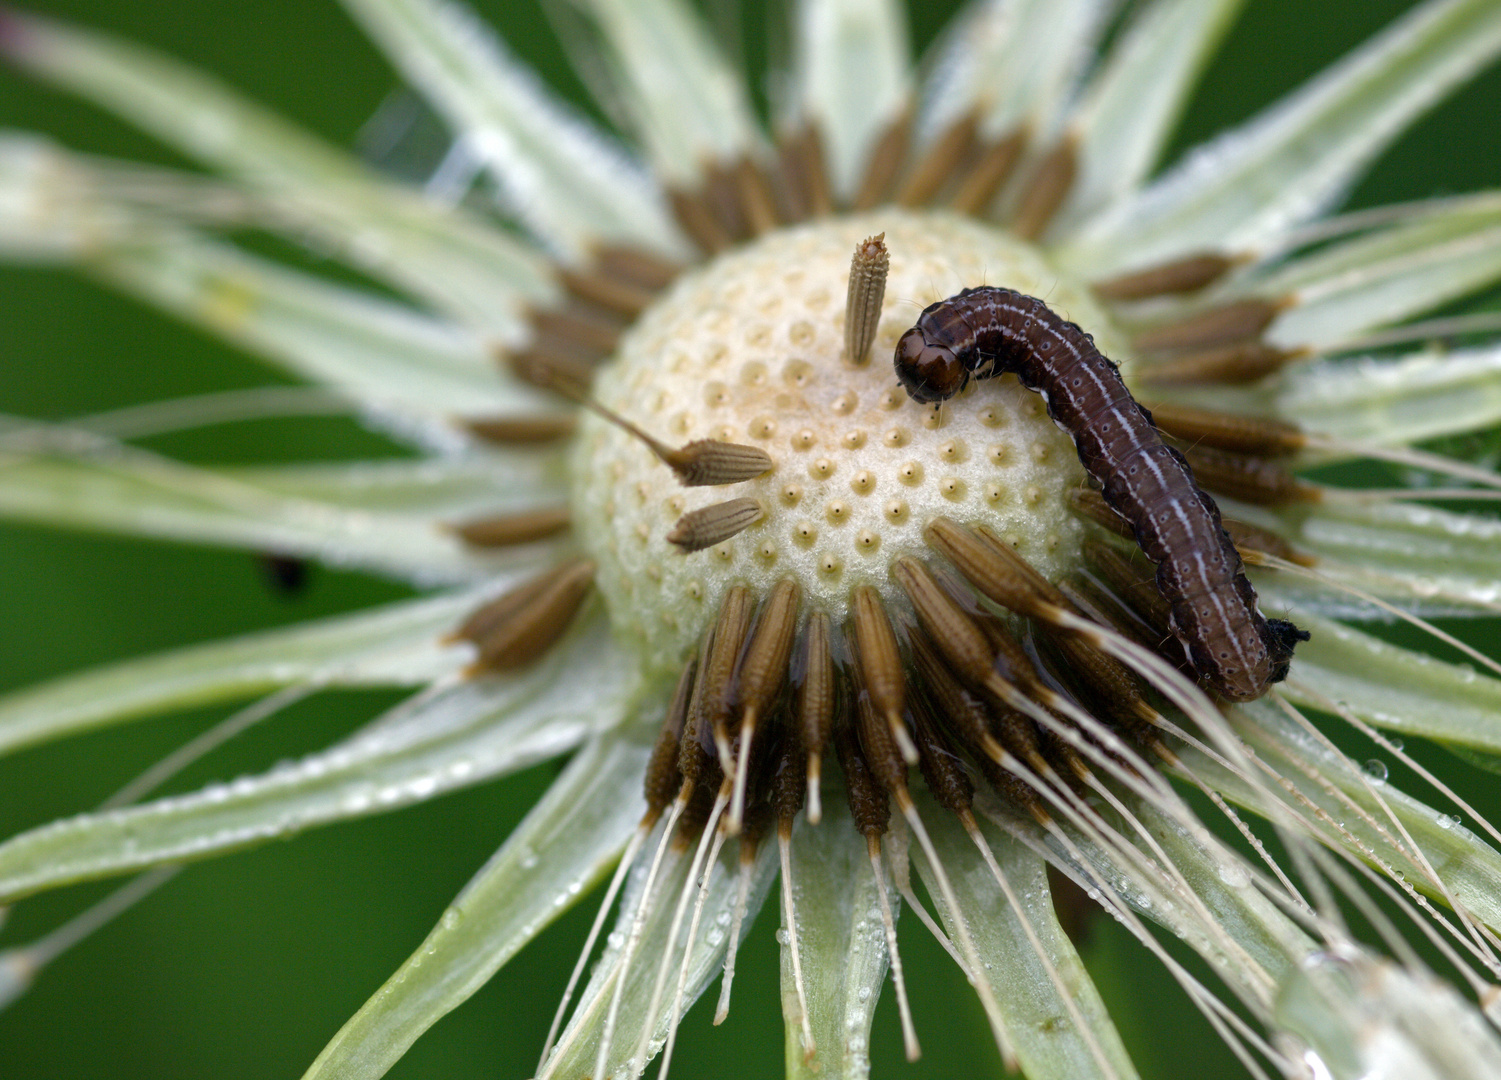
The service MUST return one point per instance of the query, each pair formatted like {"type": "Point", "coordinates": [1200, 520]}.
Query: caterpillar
{"type": "Point", "coordinates": [987, 331]}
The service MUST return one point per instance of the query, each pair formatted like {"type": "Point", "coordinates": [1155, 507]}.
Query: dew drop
{"type": "Point", "coordinates": [423, 787]}
{"type": "Point", "coordinates": [1375, 771]}
{"type": "Point", "coordinates": [1234, 875]}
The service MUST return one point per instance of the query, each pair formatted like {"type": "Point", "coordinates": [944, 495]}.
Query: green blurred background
{"type": "Point", "coordinates": [245, 966]}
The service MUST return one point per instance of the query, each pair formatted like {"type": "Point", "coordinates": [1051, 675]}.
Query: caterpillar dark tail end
{"type": "Point", "coordinates": [1281, 637]}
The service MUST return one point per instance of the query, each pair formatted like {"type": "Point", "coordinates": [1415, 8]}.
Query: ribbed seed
{"type": "Point", "coordinates": [862, 305]}
{"type": "Point", "coordinates": [1242, 320]}
{"type": "Point", "coordinates": [1232, 365]}
{"type": "Point", "coordinates": [1098, 605]}
{"type": "Point", "coordinates": [1185, 275]}
{"type": "Point", "coordinates": [536, 624]}
{"type": "Point", "coordinates": [507, 529]}
{"type": "Point", "coordinates": [1227, 431]}
{"type": "Point", "coordinates": [1108, 609]}
{"type": "Point", "coordinates": [939, 161]}
{"type": "Point", "coordinates": [992, 167]}
{"type": "Point", "coordinates": [723, 196]}
{"type": "Point", "coordinates": [758, 819]}
{"type": "Point", "coordinates": [1011, 787]}
{"type": "Point", "coordinates": [885, 162]}
{"type": "Point", "coordinates": [880, 663]}
{"type": "Point", "coordinates": [757, 204]}
{"type": "Point", "coordinates": [521, 430]}
{"type": "Point", "coordinates": [990, 733]}
{"type": "Point", "coordinates": [1106, 681]}
{"type": "Point", "coordinates": [804, 181]}
{"type": "Point", "coordinates": [1017, 733]}
{"type": "Point", "coordinates": [718, 701]}
{"type": "Point", "coordinates": [946, 624]}
{"type": "Point", "coordinates": [694, 214]}
{"type": "Point", "coordinates": [708, 462]}
{"type": "Point", "coordinates": [816, 171]}
{"type": "Point", "coordinates": [497, 612]}
{"type": "Point", "coordinates": [560, 370]}
{"type": "Point", "coordinates": [1247, 477]}
{"type": "Point", "coordinates": [941, 769]}
{"type": "Point", "coordinates": [764, 669]}
{"type": "Point", "coordinates": [611, 293]}
{"type": "Point", "coordinates": [976, 646]}
{"type": "Point", "coordinates": [1045, 190]}
{"type": "Point", "coordinates": [645, 269]}
{"type": "Point", "coordinates": [1249, 539]}
{"type": "Point", "coordinates": [699, 529]}
{"type": "Point", "coordinates": [699, 807]}
{"type": "Point", "coordinates": [789, 784]}
{"type": "Point", "coordinates": [792, 184]}
{"type": "Point", "coordinates": [1091, 504]}
{"type": "Point", "coordinates": [985, 568]}
{"type": "Point", "coordinates": [1012, 666]}
{"type": "Point", "coordinates": [1134, 583]}
{"type": "Point", "coordinates": [584, 325]}
{"type": "Point", "coordinates": [1039, 586]}
{"type": "Point", "coordinates": [961, 710]}
{"type": "Point", "coordinates": [817, 699]}
{"type": "Point", "coordinates": [877, 742]}
{"type": "Point", "coordinates": [869, 805]}
{"type": "Point", "coordinates": [664, 777]}
{"type": "Point", "coordinates": [695, 754]}
{"type": "Point", "coordinates": [762, 673]}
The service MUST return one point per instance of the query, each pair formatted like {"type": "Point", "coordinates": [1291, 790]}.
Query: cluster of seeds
{"type": "Point", "coordinates": [832, 569]}
{"type": "Point", "coordinates": [750, 350]}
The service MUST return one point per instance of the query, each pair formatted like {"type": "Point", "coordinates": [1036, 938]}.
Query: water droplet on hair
{"type": "Point", "coordinates": [1234, 875]}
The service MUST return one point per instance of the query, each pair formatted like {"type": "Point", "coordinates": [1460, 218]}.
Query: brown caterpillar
{"type": "Point", "coordinates": [988, 331]}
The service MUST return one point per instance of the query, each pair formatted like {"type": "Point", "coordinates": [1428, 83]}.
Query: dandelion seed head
{"type": "Point", "coordinates": [941, 609]}
{"type": "Point", "coordinates": [757, 333]}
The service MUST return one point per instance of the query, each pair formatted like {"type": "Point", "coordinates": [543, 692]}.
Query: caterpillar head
{"type": "Point", "coordinates": [929, 372]}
